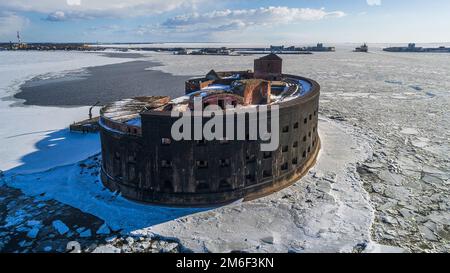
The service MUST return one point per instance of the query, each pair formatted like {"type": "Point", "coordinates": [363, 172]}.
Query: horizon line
{"type": "Point", "coordinates": [186, 42]}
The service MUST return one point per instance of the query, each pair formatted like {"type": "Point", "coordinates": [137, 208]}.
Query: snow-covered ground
{"type": "Point", "coordinates": [78, 185]}
{"type": "Point", "coordinates": [327, 211]}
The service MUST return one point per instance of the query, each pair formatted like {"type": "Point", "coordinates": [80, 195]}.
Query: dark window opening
{"type": "Point", "coordinates": [131, 172]}
{"type": "Point", "coordinates": [250, 158]}
{"type": "Point", "coordinates": [314, 129]}
{"type": "Point", "coordinates": [267, 155]}
{"type": "Point", "coordinates": [309, 134]}
{"type": "Point", "coordinates": [294, 161]}
{"type": "Point", "coordinates": [296, 125]}
{"type": "Point", "coordinates": [310, 117]}
{"type": "Point", "coordinates": [315, 113]}
{"type": "Point", "coordinates": [267, 173]}
{"type": "Point", "coordinates": [168, 187]}
{"type": "Point", "coordinates": [166, 163]}
{"type": "Point", "coordinates": [286, 129]}
{"type": "Point", "coordinates": [117, 167]}
{"type": "Point", "coordinates": [309, 149]}
{"type": "Point", "coordinates": [224, 162]}
{"type": "Point", "coordinates": [221, 104]}
{"type": "Point", "coordinates": [285, 149]}
{"type": "Point", "coordinates": [224, 185]}
{"type": "Point", "coordinates": [250, 178]}
{"type": "Point", "coordinates": [132, 158]}
{"type": "Point", "coordinates": [166, 141]}
{"type": "Point", "coordinates": [304, 154]}
{"type": "Point", "coordinates": [284, 167]}
{"type": "Point", "coordinates": [304, 139]}
{"type": "Point", "coordinates": [305, 121]}
{"type": "Point", "coordinates": [201, 164]}
{"type": "Point", "coordinates": [295, 145]}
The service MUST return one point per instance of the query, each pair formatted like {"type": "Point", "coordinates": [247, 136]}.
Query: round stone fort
{"type": "Point", "coordinates": [143, 161]}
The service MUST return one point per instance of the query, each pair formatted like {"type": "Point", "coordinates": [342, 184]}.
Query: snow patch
{"type": "Point", "coordinates": [60, 227]}
{"type": "Point", "coordinates": [409, 131]}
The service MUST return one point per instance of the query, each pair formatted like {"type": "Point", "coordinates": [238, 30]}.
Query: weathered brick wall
{"type": "Point", "coordinates": [256, 92]}
{"type": "Point", "coordinates": [268, 69]}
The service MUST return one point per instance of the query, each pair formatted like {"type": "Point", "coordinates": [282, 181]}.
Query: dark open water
{"type": "Point", "coordinates": [103, 83]}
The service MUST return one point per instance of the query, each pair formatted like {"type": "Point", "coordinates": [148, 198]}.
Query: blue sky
{"type": "Point", "coordinates": [253, 21]}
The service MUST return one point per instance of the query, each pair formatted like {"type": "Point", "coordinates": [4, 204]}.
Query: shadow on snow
{"type": "Point", "coordinates": [53, 171]}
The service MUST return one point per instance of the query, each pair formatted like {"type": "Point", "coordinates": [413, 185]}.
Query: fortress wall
{"type": "Point", "coordinates": [195, 173]}
{"type": "Point", "coordinates": [119, 126]}
{"type": "Point", "coordinates": [197, 84]}
{"type": "Point", "coordinates": [121, 159]}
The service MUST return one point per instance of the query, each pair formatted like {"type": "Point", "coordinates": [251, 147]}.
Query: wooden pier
{"type": "Point", "coordinates": [86, 126]}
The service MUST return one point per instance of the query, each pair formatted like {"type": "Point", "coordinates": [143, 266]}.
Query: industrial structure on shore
{"type": "Point", "coordinates": [415, 49]}
{"type": "Point", "coordinates": [48, 47]}
{"type": "Point", "coordinates": [143, 161]}
{"type": "Point", "coordinates": [23, 46]}
{"type": "Point", "coordinates": [278, 49]}
{"type": "Point", "coordinates": [320, 48]}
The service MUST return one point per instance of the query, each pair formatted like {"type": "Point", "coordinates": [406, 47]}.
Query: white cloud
{"type": "Point", "coordinates": [226, 20]}
{"type": "Point", "coordinates": [74, 2]}
{"type": "Point", "coordinates": [374, 2]}
{"type": "Point", "coordinates": [57, 16]}
{"type": "Point", "coordinates": [96, 8]}
{"type": "Point", "coordinates": [10, 23]}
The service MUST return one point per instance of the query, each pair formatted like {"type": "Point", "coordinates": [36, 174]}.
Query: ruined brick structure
{"type": "Point", "coordinates": [144, 163]}
{"type": "Point", "coordinates": [268, 67]}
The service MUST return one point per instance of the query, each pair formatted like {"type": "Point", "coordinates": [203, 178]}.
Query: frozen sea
{"type": "Point", "coordinates": [382, 177]}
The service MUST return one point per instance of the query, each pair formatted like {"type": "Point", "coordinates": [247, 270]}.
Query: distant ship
{"type": "Point", "coordinates": [413, 48]}
{"type": "Point", "coordinates": [364, 48]}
